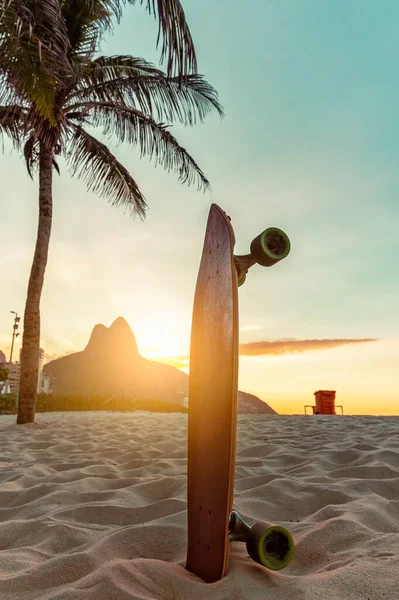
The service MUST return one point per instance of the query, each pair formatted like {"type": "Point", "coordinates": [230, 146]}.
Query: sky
{"type": "Point", "coordinates": [309, 143]}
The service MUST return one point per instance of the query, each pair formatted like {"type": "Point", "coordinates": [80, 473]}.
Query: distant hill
{"type": "Point", "coordinates": [250, 404]}
{"type": "Point", "coordinates": [111, 364]}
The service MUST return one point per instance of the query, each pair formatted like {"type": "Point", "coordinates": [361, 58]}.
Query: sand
{"type": "Point", "coordinates": [93, 507]}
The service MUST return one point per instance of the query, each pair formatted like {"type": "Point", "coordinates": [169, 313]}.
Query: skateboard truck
{"type": "Point", "coordinates": [267, 249]}
{"type": "Point", "coordinates": [269, 545]}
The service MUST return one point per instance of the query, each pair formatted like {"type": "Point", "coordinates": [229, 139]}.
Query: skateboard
{"type": "Point", "coordinates": [212, 406]}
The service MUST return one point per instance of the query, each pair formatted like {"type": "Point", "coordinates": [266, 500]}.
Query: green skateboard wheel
{"type": "Point", "coordinates": [269, 545]}
{"type": "Point", "coordinates": [242, 279]}
{"type": "Point", "coordinates": [272, 547]}
{"type": "Point", "coordinates": [270, 246]}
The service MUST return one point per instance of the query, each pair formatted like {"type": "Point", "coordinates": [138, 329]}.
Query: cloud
{"type": "Point", "coordinates": [293, 346]}
{"type": "Point", "coordinates": [48, 356]}
{"type": "Point", "coordinates": [271, 348]}
{"type": "Point", "coordinates": [246, 328]}
{"type": "Point", "coordinates": [180, 362]}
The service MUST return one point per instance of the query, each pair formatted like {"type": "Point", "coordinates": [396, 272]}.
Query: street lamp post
{"type": "Point", "coordinates": [14, 331]}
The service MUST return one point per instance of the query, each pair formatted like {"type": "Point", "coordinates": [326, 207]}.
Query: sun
{"type": "Point", "coordinates": [162, 336]}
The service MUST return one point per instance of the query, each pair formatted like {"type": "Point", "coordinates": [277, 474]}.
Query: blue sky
{"type": "Point", "coordinates": [310, 143]}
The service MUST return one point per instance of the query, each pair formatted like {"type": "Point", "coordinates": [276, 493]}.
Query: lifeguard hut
{"type": "Point", "coordinates": [325, 403]}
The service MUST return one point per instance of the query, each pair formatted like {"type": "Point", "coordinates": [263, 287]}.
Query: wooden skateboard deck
{"type": "Point", "coordinates": [213, 389]}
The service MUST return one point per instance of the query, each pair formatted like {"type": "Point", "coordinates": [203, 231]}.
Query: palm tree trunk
{"type": "Point", "coordinates": [31, 334]}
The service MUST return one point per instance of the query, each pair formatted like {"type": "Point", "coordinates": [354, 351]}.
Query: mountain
{"type": "Point", "coordinates": [111, 364]}
{"type": "Point", "coordinates": [250, 404]}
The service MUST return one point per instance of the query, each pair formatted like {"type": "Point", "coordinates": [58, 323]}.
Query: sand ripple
{"type": "Point", "coordinates": [93, 507]}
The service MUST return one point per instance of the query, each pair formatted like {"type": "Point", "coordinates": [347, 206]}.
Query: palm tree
{"type": "Point", "coordinates": [53, 87]}
{"type": "Point", "coordinates": [4, 372]}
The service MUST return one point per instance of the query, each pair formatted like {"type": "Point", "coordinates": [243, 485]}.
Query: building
{"type": "Point", "coordinates": [40, 372]}
{"type": "Point", "coordinates": [45, 385]}
{"type": "Point", "coordinates": [4, 385]}
{"type": "Point", "coordinates": [13, 377]}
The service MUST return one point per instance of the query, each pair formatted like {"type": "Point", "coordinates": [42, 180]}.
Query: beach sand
{"type": "Point", "coordinates": [93, 507]}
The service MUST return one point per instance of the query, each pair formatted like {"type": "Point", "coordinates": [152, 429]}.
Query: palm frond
{"type": "Point", "coordinates": [33, 51]}
{"type": "Point", "coordinates": [91, 160]}
{"type": "Point", "coordinates": [8, 94]}
{"type": "Point", "coordinates": [177, 43]}
{"type": "Point", "coordinates": [105, 68]}
{"type": "Point", "coordinates": [27, 129]}
{"type": "Point", "coordinates": [39, 23]}
{"type": "Point", "coordinates": [153, 139]}
{"type": "Point", "coordinates": [12, 122]}
{"type": "Point", "coordinates": [137, 83]}
{"type": "Point", "coordinates": [56, 166]}
{"type": "Point", "coordinates": [31, 154]}
{"type": "Point", "coordinates": [86, 22]}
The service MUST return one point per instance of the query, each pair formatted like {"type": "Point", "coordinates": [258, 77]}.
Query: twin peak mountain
{"type": "Point", "coordinates": [112, 365]}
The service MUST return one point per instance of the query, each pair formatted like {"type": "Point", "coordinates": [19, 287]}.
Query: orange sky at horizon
{"type": "Point", "coordinates": [362, 375]}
